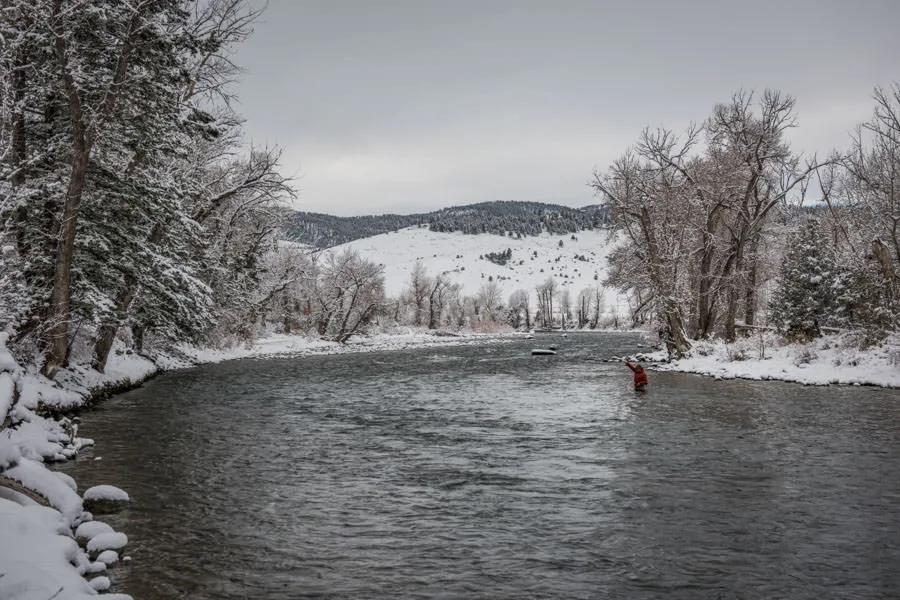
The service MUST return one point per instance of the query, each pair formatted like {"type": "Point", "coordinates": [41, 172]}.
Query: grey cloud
{"type": "Point", "coordinates": [409, 106]}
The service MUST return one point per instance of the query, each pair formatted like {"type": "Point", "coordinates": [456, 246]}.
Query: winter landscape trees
{"type": "Point", "coordinates": [132, 209]}
{"type": "Point", "coordinates": [705, 216]}
{"type": "Point", "coordinates": [125, 195]}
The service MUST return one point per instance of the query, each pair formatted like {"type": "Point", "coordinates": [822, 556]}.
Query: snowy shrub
{"type": "Point", "coordinates": [805, 355]}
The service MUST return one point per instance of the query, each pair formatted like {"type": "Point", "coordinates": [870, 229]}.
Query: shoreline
{"type": "Point", "coordinates": [47, 431]}
{"type": "Point", "coordinates": [826, 361]}
{"type": "Point", "coordinates": [53, 547]}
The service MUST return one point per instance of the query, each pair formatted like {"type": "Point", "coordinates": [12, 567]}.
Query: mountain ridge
{"type": "Point", "coordinates": [510, 218]}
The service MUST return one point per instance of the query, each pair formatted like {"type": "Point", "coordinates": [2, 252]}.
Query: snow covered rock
{"type": "Point", "coordinates": [105, 499]}
{"type": "Point", "coordinates": [108, 557]}
{"type": "Point", "coordinates": [101, 584]}
{"type": "Point", "coordinates": [97, 566]}
{"type": "Point", "coordinates": [107, 541]}
{"type": "Point", "coordinates": [91, 529]}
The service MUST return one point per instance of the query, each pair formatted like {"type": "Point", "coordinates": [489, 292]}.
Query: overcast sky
{"type": "Point", "coordinates": [409, 106]}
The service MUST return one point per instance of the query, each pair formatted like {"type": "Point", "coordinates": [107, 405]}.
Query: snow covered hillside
{"type": "Point", "coordinates": [576, 261]}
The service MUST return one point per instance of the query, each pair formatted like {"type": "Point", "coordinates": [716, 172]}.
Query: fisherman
{"type": "Point", "coordinates": [640, 377]}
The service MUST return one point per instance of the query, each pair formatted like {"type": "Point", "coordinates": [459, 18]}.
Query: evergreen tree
{"type": "Point", "coordinates": [810, 285]}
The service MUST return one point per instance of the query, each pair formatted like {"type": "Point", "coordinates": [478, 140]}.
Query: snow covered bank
{"type": "Point", "coordinates": [832, 359]}
{"type": "Point", "coordinates": [298, 345]}
{"type": "Point", "coordinates": [51, 546]}
{"type": "Point", "coordinates": [40, 509]}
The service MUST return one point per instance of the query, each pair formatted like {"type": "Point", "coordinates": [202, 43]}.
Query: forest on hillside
{"type": "Point", "coordinates": [507, 218]}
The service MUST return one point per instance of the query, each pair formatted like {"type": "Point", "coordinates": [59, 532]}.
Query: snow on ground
{"type": "Point", "coordinates": [300, 345]}
{"type": "Point", "coordinates": [578, 264]}
{"type": "Point", "coordinates": [832, 359]}
{"type": "Point", "coordinates": [39, 557]}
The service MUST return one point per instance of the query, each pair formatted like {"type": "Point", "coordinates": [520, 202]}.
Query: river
{"type": "Point", "coordinates": [485, 472]}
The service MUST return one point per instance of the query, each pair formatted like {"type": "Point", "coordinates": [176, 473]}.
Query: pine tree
{"type": "Point", "coordinates": [810, 285]}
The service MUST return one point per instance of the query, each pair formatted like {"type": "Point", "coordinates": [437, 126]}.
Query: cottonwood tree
{"type": "Point", "coordinates": [349, 293]}
{"type": "Point", "coordinates": [771, 176]}
{"type": "Point", "coordinates": [439, 291]}
{"type": "Point", "coordinates": [695, 214]}
{"type": "Point", "coordinates": [519, 310]}
{"type": "Point", "coordinates": [489, 303]}
{"type": "Point", "coordinates": [546, 292]}
{"type": "Point", "coordinates": [418, 291]}
{"type": "Point", "coordinates": [644, 196]}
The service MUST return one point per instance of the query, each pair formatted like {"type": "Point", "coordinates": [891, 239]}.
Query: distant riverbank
{"type": "Point", "coordinates": [829, 360]}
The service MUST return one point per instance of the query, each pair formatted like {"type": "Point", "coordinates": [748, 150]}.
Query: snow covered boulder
{"type": "Point", "coordinates": [107, 541]}
{"type": "Point", "coordinates": [108, 557]}
{"type": "Point", "coordinates": [91, 529]}
{"type": "Point", "coordinates": [98, 567]}
{"type": "Point", "coordinates": [105, 499]}
{"type": "Point", "coordinates": [101, 583]}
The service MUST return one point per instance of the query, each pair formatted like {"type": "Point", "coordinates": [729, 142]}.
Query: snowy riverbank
{"type": "Point", "coordinates": [41, 511]}
{"type": "Point", "coordinates": [51, 546]}
{"type": "Point", "coordinates": [829, 360]}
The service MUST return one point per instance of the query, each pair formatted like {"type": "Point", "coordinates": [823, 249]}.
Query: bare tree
{"type": "Point", "coordinates": [438, 293]}
{"type": "Point", "coordinates": [565, 307]}
{"type": "Point", "coordinates": [518, 309]}
{"type": "Point", "coordinates": [418, 291]}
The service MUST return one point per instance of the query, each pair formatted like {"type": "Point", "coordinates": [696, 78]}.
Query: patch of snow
{"type": "Point", "coordinates": [35, 476]}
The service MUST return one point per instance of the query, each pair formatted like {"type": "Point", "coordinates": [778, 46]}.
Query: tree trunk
{"type": "Point", "coordinates": [676, 342]}
{"type": "Point", "coordinates": [59, 309]}
{"type": "Point", "coordinates": [750, 294]}
{"type": "Point", "coordinates": [18, 145]}
{"type": "Point", "coordinates": [137, 337]}
{"type": "Point", "coordinates": [107, 334]}
{"type": "Point", "coordinates": [705, 310]}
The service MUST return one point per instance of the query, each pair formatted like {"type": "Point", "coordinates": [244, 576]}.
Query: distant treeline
{"type": "Point", "coordinates": [509, 218]}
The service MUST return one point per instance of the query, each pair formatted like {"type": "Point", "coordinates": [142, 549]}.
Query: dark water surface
{"type": "Point", "coordinates": [484, 472]}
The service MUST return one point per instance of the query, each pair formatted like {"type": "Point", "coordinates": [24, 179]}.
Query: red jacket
{"type": "Point", "coordinates": [640, 375]}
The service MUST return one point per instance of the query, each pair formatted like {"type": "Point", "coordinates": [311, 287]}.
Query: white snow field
{"type": "Point", "coordinates": [577, 264]}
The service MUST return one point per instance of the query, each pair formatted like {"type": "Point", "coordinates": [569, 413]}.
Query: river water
{"type": "Point", "coordinates": [485, 472]}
